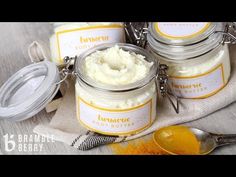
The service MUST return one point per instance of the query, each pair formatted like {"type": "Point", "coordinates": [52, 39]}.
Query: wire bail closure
{"type": "Point", "coordinates": [229, 34]}
{"type": "Point", "coordinates": [138, 36]}
{"type": "Point", "coordinates": [165, 89]}
{"type": "Point", "coordinates": [68, 69]}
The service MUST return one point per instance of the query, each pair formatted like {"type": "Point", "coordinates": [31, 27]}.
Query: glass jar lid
{"type": "Point", "coordinates": [182, 33]}
{"type": "Point", "coordinates": [81, 73]}
{"type": "Point", "coordinates": [28, 91]}
{"type": "Point", "coordinates": [180, 41]}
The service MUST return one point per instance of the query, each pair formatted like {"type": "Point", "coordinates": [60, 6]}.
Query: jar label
{"type": "Point", "coordinates": [115, 121]}
{"type": "Point", "coordinates": [199, 86]}
{"type": "Point", "coordinates": [75, 41]}
{"type": "Point", "coordinates": [180, 30]}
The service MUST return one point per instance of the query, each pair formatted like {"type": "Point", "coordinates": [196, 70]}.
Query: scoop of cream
{"type": "Point", "coordinates": [115, 66]}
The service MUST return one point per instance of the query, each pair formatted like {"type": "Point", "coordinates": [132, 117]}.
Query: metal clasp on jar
{"type": "Point", "coordinates": [68, 68]}
{"type": "Point", "coordinates": [164, 88]}
{"type": "Point", "coordinates": [37, 52]}
{"type": "Point", "coordinates": [229, 33]}
{"type": "Point", "coordinates": [137, 34]}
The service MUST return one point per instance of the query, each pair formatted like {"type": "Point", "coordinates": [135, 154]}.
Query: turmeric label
{"type": "Point", "coordinates": [199, 86]}
{"type": "Point", "coordinates": [75, 40]}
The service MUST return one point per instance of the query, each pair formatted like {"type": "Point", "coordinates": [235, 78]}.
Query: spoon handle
{"type": "Point", "coordinates": [225, 139]}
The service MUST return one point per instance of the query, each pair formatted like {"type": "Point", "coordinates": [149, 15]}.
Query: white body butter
{"type": "Point", "coordinates": [122, 112]}
{"type": "Point", "coordinates": [116, 66]}
{"type": "Point", "coordinates": [202, 77]}
{"type": "Point", "coordinates": [198, 59]}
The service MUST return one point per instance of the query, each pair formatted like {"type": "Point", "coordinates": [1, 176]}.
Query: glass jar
{"type": "Point", "coordinates": [122, 106]}
{"type": "Point", "coordinates": [115, 109]}
{"type": "Point", "coordinates": [197, 57]}
{"type": "Point", "coordinates": [70, 39]}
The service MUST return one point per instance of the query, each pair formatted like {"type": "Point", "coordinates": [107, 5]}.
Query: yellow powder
{"type": "Point", "coordinates": [137, 147]}
{"type": "Point", "coordinates": [168, 140]}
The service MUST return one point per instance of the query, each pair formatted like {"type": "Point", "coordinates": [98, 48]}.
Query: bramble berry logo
{"type": "Point", "coordinates": [9, 143]}
{"type": "Point", "coordinates": [25, 143]}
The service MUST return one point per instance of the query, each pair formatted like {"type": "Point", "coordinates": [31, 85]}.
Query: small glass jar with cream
{"type": "Point", "coordinates": [70, 39]}
{"type": "Point", "coordinates": [117, 86]}
{"type": "Point", "coordinates": [115, 89]}
{"type": "Point", "coordinates": [196, 54]}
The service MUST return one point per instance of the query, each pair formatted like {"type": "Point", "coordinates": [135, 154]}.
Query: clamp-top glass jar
{"type": "Point", "coordinates": [196, 53]}
{"type": "Point", "coordinates": [116, 89]}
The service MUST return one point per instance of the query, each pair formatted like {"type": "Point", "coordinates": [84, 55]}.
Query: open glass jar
{"type": "Point", "coordinates": [196, 53]}
{"type": "Point", "coordinates": [125, 107]}
{"type": "Point", "coordinates": [117, 108]}
{"type": "Point", "coordinates": [70, 39]}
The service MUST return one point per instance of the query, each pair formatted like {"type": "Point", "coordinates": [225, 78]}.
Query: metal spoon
{"type": "Point", "coordinates": [208, 141]}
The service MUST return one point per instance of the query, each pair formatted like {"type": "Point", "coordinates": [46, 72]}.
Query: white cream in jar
{"type": "Point", "coordinates": [199, 63]}
{"type": "Point", "coordinates": [115, 66]}
{"type": "Point", "coordinates": [115, 90]}
{"type": "Point", "coordinates": [70, 39]}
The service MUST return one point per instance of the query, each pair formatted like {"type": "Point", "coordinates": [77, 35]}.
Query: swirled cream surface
{"type": "Point", "coordinates": [114, 66]}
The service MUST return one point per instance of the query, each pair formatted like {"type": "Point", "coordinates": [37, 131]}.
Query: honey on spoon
{"type": "Point", "coordinates": [182, 140]}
